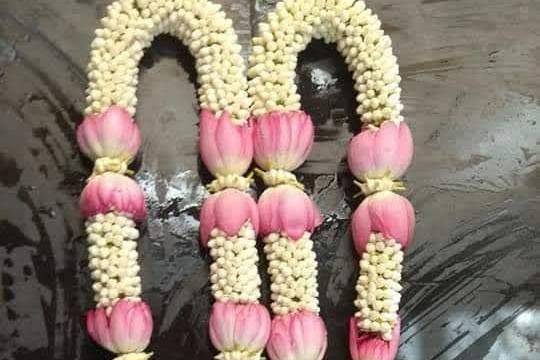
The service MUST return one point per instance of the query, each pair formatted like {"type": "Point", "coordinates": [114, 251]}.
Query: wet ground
{"type": "Point", "coordinates": [471, 89]}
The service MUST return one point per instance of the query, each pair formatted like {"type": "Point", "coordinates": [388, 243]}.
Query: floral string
{"type": "Point", "coordinates": [279, 139]}
{"type": "Point", "coordinates": [283, 138]}
{"type": "Point", "coordinates": [383, 224]}
{"type": "Point", "coordinates": [112, 202]}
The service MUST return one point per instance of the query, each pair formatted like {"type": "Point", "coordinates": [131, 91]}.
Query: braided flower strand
{"type": "Point", "coordinates": [288, 217]}
{"type": "Point", "coordinates": [378, 156]}
{"type": "Point", "coordinates": [383, 224]}
{"type": "Point", "coordinates": [239, 325]}
{"type": "Point", "coordinates": [112, 203]}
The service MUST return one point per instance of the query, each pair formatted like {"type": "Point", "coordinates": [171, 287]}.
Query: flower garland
{"type": "Point", "coordinates": [283, 138]}
{"type": "Point", "coordinates": [239, 325]}
{"type": "Point", "coordinates": [112, 202]}
{"type": "Point", "coordinates": [279, 140]}
{"type": "Point", "coordinates": [383, 224]}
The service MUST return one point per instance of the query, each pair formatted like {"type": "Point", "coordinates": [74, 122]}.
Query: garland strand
{"type": "Point", "coordinates": [357, 33]}
{"type": "Point", "coordinates": [283, 138]}
{"type": "Point", "coordinates": [113, 202]}
{"type": "Point", "coordinates": [383, 224]}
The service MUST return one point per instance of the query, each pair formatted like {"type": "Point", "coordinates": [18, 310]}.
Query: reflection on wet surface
{"type": "Point", "coordinates": [471, 280]}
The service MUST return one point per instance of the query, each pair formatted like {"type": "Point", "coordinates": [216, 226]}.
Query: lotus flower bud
{"type": "Point", "coordinates": [297, 336]}
{"type": "Point", "coordinates": [287, 209]}
{"type": "Point", "coordinates": [127, 329]}
{"type": "Point", "coordinates": [387, 213]}
{"type": "Point", "coordinates": [381, 152]}
{"type": "Point", "coordinates": [370, 346]}
{"type": "Point", "coordinates": [112, 134]}
{"type": "Point", "coordinates": [228, 211]}
{"type": "Point", "coordinates": [113, 192]}
{"type": "Point", "coordinates": [226, 148]}
{"type": "Point", "coordinates": [239, 327]}
{"type": "Point", "coordinates": [282, 140]}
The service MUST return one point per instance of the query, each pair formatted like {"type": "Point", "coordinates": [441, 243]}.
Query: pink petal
{"type": "Point", "coordinates": [116, 123]}
{"type": "Point", "coordinates": [386, 145]}
{"type": "Point", "coordinates": [391, 215]}
{"type": "Point", "coordinates": [361, 227]}
{"type": "Point", "coordinates": [306, 138]}
{"type": "Point", "coordinates": [387, 213]}
{"type": "Point", "coordinates": [207, 142]}
{"type": "Point", "coordinates": [222, 322]}
{"type": "Point", "coordinates": [279, 346]}
{"type": "Point", "coordinates": [88, 138]}
{"type": "Point", "coordinates": [90, 325]}
{"type": "Point", "coordinates": [282, 140]}
{"type": "Point", "coordinates": [234, 143]}
{"type": "Point", "coordinates": [287, 209]}
{"type": "Point", "coordinates": [113, 192]}
{"type": "Point", "coordinates": [293, 211]}
{"type": "Point", "coordinates": [254, 215]}
{"type": "Point", "coordinates": [231, 221]}
{"type": "Point", "coordinates": [252, 327]}
{"type": "Point", "coordinates": [267, 206]}
{"type": "Point", "coordinates": [216, 213]}
{"type": "Point", "coordinates": [208, 221]}
{"type": "Point", "coordinates": [111, 134]}
{"type": "Point", "coordinates": [140, 327]}
{"type": "Point", "coordinates": [300, 335]}
{"type": "Point", "coordinates": [131, 326]}
{"type": "Point", "coordinates": [405, 150]}
{"type": "Point", "coordinates": [378, 152]}
{"type": "Point", "coordinates": [360, 154]}
{"type": "Point", "coordinates": [120, 330]}
{"type": "Point", "coordinates": [103, 334]}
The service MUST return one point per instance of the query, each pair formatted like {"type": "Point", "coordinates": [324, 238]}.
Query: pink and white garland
{"type": "Point", "coordinates": [283, 138]}
{"type": "Point", "coordinates": [279, 139]}
{"type": "Point", "coordinates": [239, 324]}
{"type": "Point", "coordinates": [384, 222]}
{"type": "Point", "coordinates": [112, 202]}
{"type": "Point", "coordinates": [288, 218]}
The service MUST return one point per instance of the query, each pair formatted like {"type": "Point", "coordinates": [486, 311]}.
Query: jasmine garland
{"type": "Point", "coordinates": [112, 202]}
{"type": "Point", "coordinates": [383, 225]}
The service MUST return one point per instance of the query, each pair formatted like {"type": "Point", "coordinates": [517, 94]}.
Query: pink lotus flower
{"type": "Point", "coordinates": [282, 140]}
{"type": "Point", "coordinates": [240, 327]}
{"type": "Point", "coordinates": [228, 211]}
{"type": "Point", "coordinates": [126, 330]}
{"type": "Point", "coordinates": [387, 213]}
{"type": "Point", "coordinates": [379, 152]}
{"type": "Point", "coordinates": [113, 192]}
{"type": "Point", "coordinates": [370, 346]}
{"type": "Point", "coordinates": [226, 148]}
{"type": "Point", "coordinates": [112, 134]}
{"type": "Point", "coordinates": [297, 336]}
{"type": "Point", "coordinates": [287, 209]}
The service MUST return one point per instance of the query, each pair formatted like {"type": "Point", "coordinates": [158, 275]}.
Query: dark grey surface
{"type": "Point", "coordinates": [471, 88]}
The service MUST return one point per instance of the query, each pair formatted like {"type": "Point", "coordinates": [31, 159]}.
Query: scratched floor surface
{"type": "Point", "coordinates": [471, 88]}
